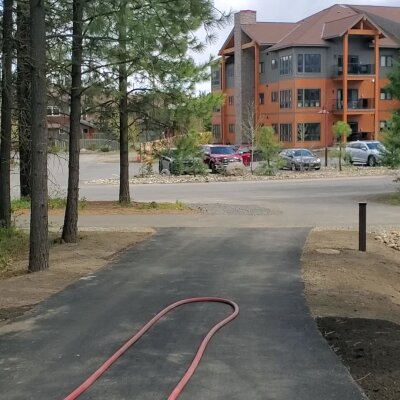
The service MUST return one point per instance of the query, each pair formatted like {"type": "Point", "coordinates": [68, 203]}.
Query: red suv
{"type": "Point", "coordinates": [218, 156]}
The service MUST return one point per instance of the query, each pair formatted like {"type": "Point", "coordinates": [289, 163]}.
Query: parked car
{"type": "Point", "coordinates": [297, 159]}
{"type": "Point", "coordinates": [169, 163]}
{"type": "Point", "coordinates": [245, 152]}
{"type": "Point", "coordinates": [368, 152]}
{"type": "Point", "coordinates": [217, 157]}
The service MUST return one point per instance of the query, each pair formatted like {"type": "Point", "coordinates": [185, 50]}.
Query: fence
{"type": "Point", "coordinates": [90, 144]}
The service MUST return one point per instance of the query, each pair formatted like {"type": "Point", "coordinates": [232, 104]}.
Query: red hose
{"type": "Point", "coordinates": [196, 360]}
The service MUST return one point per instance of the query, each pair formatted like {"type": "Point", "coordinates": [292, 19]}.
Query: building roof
{"type": "Point", "coordinates": [268, 33]}
{"type": "Point", "coordinates": [332, 22]}
{"type": "Point", "coordinates": [339, 27]}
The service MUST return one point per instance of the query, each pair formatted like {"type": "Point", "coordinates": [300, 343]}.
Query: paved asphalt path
{"type": "Point", "coordinates": [272, 351]}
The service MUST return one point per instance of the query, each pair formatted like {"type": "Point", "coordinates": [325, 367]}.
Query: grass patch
{"type": "Point", "coordinates": [14, 243]}
{"type": "Point", "coordinates": [54, 203]}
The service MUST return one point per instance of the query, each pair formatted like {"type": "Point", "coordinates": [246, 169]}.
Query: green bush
{"type": "Point", "coordinates": [105, 149]}
{"type": "Point", "coordinates": [391, 141]}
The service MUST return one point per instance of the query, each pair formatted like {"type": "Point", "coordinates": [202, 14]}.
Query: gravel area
{"type": "Point", "coordinates": [281, 175]}
{"type": "Point", "coordinates": [390, 238]}
{"type": "Point", "coordinates": [232, 209]}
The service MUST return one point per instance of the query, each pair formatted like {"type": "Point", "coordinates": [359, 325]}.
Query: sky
{"type": "Point", "coordinates": [273, 11]}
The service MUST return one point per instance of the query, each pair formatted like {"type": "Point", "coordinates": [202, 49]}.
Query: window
{"type": "Point", "coordinates": [285, 132]}
{"type": "Point", "coordinates": [217, 109]}
{"type": "Point", "coordinates": [215, 77]}
{"type": "Point", "coordinates": [387, 61]}
{"type": "Point", "coordinates": [274, 63]}
{"type": "Point", "coordinates": [231, 128]}
{"type": "Point", "coordinates": [231, 100]}
{"type": "Point", "coordinates": [216, 130]}
{"type": "Point", "coordinates": [300, 63]}
{"type": "Point", "coordinates": [309, 132]}
{"type": "Point", "coordinates": [274, 97]}
{"type": "Point", "coordinates": [285, 99]}
{"type": "Point", "coordinates": [285, 65]}
{"type": "Point", "coordinates": [309, 63]}
{"type": "Point", "coordinates": [261, 67]}
{"type": "Point", "coordinates": [383, 125]}
{"type": "Point", "coordinates": [308, 97]}
{"type": "Point", "coordinates": [261, 98]}
{"type": "Point", "coordinates": [53, 110]}
{"type": "Point", "coordinates": [385, 95]}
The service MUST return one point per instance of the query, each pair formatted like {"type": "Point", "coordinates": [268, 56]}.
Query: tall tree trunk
{"type": "Point", "coordinates": [6, 117]}
{"type": "Point", "coordinates": [124, 196]}
{"type": "Point", "coordinates": [39, 249]}
{"type": "Point", "coordinates": [24, 98]}
{"type": "Point", "coordinates": [70, 229]}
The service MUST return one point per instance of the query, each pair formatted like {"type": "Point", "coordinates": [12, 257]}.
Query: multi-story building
{"type": "Point", "coordinates": [302, 77]}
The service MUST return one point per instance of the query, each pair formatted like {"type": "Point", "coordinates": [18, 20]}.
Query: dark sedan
{"type": "Point", "coordinates": [297, 159]}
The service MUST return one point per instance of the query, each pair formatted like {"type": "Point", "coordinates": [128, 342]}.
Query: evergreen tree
{"type": "Point", "coordinates": [39, 248]}
{"type": "Point", "coordinates": [6, 114]}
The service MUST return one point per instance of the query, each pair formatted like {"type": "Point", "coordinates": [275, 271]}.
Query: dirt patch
{"type": "Point", "coordinates": [114, 208]}
{"type": "Point", "coordinates": [355, 297]}
{"type": "Point", "coordinates": [68, 262]}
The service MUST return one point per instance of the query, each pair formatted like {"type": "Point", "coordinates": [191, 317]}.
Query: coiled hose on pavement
{"type": "Point", "coordinates": [196, 360]}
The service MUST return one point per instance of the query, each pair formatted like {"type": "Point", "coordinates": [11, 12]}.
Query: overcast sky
{"type": "Point", "coordinates": [274, 11]}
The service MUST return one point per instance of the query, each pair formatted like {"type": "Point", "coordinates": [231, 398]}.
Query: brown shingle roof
{"type": "Point", "coordinates": [388, 18]}
{"type": "Point", "coordinates": [309, 32]}
{"type": "Point", "coordinates": [268, 33]}
{"type": "Point", "coordinates": [390, 13]}
{"type": "Point", "coordinates": [339, 27]}
{"type": "Point", "coordinates": [332, 22]}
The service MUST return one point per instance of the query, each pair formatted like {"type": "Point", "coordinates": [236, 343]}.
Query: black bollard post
{"type": "Point", "coordinates": [362, 227]}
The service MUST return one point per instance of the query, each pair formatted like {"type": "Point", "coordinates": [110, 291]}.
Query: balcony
{"type": "Point", "coordinates": [355, 69]}
{"type": "Point", "coordinates": [354, 105]}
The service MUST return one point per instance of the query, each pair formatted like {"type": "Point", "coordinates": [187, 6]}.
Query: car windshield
{"type": "Point", "coordinates": [222, 150]}
{"type": "Point", "coordinates": [375, 146]}
{"type": "Point", "coordinates": [302, 153]}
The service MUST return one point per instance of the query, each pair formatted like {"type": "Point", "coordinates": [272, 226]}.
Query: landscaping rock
{"type": "Point", "coordinates": [235, 169]}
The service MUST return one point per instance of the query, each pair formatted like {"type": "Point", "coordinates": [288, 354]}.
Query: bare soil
{"type": "Point", "coordinates": [114, 208]}
{"type": "Point", "coordinates": [355, 298]}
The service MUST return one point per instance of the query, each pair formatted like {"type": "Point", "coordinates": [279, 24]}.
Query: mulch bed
{"type": "Point", "coordinates": [370, 349]}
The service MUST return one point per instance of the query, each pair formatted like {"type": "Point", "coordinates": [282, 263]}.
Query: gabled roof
{"type": "Point", "coordinates": [339, 27]}
{"type": "Point", "coordinates": [309, 31]}
{"type": "Point", "coordinates": [268, 33]}
{"type": "Point", "coordinates": [388, 18]}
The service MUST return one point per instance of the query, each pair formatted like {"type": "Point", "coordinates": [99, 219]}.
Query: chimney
{"type": "Point", "coordinates": [245, 17]}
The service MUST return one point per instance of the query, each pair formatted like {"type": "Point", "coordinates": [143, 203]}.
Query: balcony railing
{"type": "Point", "coordinates": [359, 104]}
{"type": "Point", "coordinates": [355, 69]}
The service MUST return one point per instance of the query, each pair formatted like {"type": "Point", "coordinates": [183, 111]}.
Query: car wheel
{"type": "Point", "coordinates": [213, 169]}
{"type": "Point", "coordinates": [293, 167]}
{"type": "Point", "coordinates": [318, 168]}
{"type": "Point", "coordinates": [371, 161]}
{"type": "Point", "coordinates": [166, 172]}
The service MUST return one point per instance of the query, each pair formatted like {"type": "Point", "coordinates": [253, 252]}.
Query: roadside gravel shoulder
{"type": "Point", "coordinates": [281, 175]}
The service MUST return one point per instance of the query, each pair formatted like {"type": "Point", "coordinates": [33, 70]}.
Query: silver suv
{"type": "Point", "coordinates": [368, 152]}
